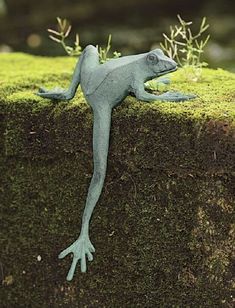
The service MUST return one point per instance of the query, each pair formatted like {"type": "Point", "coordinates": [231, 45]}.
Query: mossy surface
{"type": "Point", "coordinates": [164, 225]}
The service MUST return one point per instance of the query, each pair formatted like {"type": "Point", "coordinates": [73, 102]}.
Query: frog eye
{"type": "Point", "coordinates": [152, 58]}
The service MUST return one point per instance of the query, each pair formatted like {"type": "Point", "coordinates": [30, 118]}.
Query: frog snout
{"type": "Point", "coordinates": [174, 64]}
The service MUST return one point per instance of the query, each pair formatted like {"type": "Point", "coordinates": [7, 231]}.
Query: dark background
{"type": "Point", "coordinates": [135, 25]}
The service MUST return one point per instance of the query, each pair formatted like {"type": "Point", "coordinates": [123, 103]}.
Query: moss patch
{"type": "Point", "coordinates": [164, 226]}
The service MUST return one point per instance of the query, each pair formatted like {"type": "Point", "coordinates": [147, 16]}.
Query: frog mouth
{"type": "Point", "coordinates": [168, 71]}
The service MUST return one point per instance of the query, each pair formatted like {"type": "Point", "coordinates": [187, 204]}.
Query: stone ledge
{"type": "Point", "coordinates": [163, 227]}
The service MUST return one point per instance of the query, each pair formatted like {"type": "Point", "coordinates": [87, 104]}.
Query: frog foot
{"type": "Point", "coordinates": [80, 248]}
{"type": "Point", "coordinates": [56, 93]}
{"type": "Point", "coordinates": [172, 96]}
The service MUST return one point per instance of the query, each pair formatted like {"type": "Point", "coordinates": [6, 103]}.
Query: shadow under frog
{"type": "Point", "coordinates": [105, 86]}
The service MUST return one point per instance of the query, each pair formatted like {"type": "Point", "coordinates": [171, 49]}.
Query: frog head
{"type": "Point", "coordinates": [159, 64]}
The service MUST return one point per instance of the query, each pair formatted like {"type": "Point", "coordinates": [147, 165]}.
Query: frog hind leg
{"type": "Point", "coordinates": [83, 247]}
{"type": "Point", "coordinates": [89, 64]}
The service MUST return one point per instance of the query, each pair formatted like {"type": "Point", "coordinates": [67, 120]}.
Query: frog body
{"type": "Point", "coordinates": [104, 87]}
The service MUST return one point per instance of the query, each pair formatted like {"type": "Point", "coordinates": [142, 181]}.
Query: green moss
{"type": "Point", "coordinates": [21, 75]}
{"type": "Point", "coordinates": [163, 227]}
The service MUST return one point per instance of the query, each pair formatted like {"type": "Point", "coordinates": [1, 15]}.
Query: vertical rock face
{"type": "Point", "coordinates": [163, 225]}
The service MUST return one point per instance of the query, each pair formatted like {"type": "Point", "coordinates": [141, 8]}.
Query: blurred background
{"type": "Point", "coordinates": [135, 25]}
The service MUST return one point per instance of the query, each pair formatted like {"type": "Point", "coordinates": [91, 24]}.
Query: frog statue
{"type": "Point", "coordinates": [105, 86]}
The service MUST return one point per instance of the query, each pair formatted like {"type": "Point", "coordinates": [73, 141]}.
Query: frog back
{"type": "Point", "coordinates": [119, 68]}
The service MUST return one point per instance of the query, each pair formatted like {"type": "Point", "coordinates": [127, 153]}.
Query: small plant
{"type": "Point", "coordinates": [62, 33]}
{"type": "Point", "coordinates": [59, 36]}
{"type": "Point", "coordinates": [103, 52]}
{"type": "Point", "coordinates": [187, 48]}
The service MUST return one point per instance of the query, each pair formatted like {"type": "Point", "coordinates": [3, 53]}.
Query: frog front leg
{"type": "Point", "coordinates": [170, 96]}
{"type": "Point", "coordinates": [61, 94]}
{"type": "Point", "coordinates": [87, 62]}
